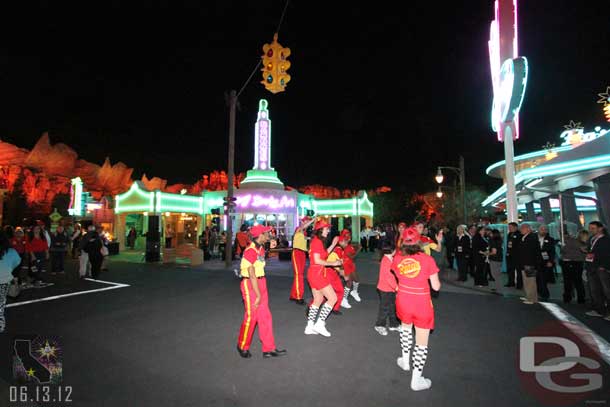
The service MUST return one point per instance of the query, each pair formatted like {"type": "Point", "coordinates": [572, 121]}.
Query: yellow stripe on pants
{"type": "Point", "coordinates": [249, 312]}
{"type": "Point", "coordinates": [296, 271]}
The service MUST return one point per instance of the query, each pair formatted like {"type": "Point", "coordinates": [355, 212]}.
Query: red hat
{"type": "Point", "coordinates": [321, 224]}
{"type": "Point", "coordinates": [258, 230]}
{"type": "Point", "coordinates": [345, 233]}
{"type": "Point", "coordinates": [410, 236]}
{"type": "Point", "coordinates": [404, 225]}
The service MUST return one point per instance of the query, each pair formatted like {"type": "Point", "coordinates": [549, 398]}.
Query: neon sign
{"type": "Point", "coordinates": [511, 89]}
{"type": "Point", "coordinates": [503, 46]}
{"type": "Point", "coordinates": [262, 138]}
{"type": "Point", "coordinates": [577, 136]}
{"type": "Point", "coordinates": [76, 197]}
{"type": "Point", "coordinates": [270, 202]}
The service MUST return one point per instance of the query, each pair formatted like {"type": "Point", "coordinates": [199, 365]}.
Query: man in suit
{"type": "Point", "coordinates": [529, 260]}
{"type": "Point", "coordinates": [546, 270]}
{"type": "Point", "coordinates": [512, 247]}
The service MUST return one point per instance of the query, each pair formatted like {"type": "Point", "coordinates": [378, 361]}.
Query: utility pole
{"type": "Point", "coordinates": [230, 177]}
{"type": "Point", "coordinates": [463, 190]}
{"type": "Point", "coordinates": [509, 175]}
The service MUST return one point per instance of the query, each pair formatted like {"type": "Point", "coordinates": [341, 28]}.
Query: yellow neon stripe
{"type": "Point", "coordinates": [243, 341]}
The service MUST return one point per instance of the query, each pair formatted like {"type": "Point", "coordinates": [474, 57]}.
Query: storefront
{"type": "Point", "coordinates": [571, 181]}
{"type": "Point", "coordinates": [261, 198]}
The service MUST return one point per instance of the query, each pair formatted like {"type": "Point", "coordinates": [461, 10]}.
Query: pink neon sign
{"type": "Point", "coordinates": [263, 144]}
{"type": "Point", "coordinates": [269, 202]}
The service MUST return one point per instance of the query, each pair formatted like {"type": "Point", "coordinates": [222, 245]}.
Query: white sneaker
{"type": "Point", "coordinates": [395, 328]}
{"type": "Point", "coordinates": [354, 294]}
{"type": "Point", "coordinates": [523, 298]}
{"type": "Point", "coordinates": [593, 313]}
{"type": "Point", "coordinates": [320, 328]}
{"type": "Point", "coordinates": [345, 303]}
{"type": "Point", "coordinates": [420, 383]}
{"type": "Point", "coordinates": [381, 330]}
{"type": "Point", "coordinates": [403, 363]}
{"type": "Point", "coordinates": [309, 329]}
{"type": "Point", "coordinates": [526, 302]}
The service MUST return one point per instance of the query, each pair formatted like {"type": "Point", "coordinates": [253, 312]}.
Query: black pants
{"type": "Point", "coordinates": [365, 244]}
{"type": "Point", "coordinates": [542, 279]}
{"type": "Point", "coordinates": [57, 262]}
{"type": "Point", "coordinates": [512, 271]}
{"type": "Point", "coordinates": [387, 309]}
{"type": "Point", "coordinates": [572, 280]}
{"type": "Point", "coordinates": [96, 265]}
{"type": "Point", "coordinates": [462, 263]}
{"type": "Point", "coordinates": [168, 242]}
{"type": "Point", "coordinates": [480, 277]}
{"type": "Point", "coordinates": [450, 258]}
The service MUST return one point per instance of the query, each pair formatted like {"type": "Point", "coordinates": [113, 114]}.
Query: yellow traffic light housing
{"type": "Point", "coordinates": [275, 66]}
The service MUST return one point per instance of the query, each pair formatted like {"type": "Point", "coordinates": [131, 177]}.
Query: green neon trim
{"type": "Point", "coordinates": [272, 180]}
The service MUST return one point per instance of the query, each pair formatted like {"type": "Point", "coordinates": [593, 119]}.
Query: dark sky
{"type": "Point", "coordinates": [378, 96]}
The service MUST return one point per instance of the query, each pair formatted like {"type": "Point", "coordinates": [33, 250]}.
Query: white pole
{"type": "Point", "coordinates": [511, 192]}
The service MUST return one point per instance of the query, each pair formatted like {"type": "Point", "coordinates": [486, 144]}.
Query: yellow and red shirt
{"type": "Point", "coordinates": [413, 273]}
{"type": "Point", "coordinates": [299, 241]}
{"type": "Point", "coordinates": [253, 257]}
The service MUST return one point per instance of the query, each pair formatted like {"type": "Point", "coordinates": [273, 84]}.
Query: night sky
{"type": "Point", "coordinates": [378, 96]}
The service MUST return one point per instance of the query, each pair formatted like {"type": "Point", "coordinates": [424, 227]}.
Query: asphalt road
{"type": "Point", "coordinates": [168, 339]}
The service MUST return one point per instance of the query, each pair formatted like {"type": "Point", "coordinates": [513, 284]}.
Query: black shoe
{"type": "Point", "coordinates": [300, 302]}
{"type": "Point", "coordinates": [244, 353]}
{"type": "Point", "coordinates": [337, 312]}
{"type": "Point", "coordinates": [274, 353]}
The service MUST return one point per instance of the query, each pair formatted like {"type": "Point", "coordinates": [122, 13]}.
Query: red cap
{"type": "Point", "coordinates": [258, 230]}
{"type": "Point", "coordinates": [321, 224]}
{"type": "Point", "coordinates": [39, 222]}
{"type": "Point", "coordinates": [404, 225]}
{"type": "Point", "coordinates": [410, 236]}
{"type": "Point", "coordinates": [345, 234]}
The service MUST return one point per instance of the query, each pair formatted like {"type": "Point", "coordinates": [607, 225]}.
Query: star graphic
{"type": "Point", "coordinates": [604, 97]}
{"type": "Point", "coordinates": [31, 372]}
{"type": "Point", "coordinates": [573, 125]}
{"type": "Point", "coordinates": [48, 351]}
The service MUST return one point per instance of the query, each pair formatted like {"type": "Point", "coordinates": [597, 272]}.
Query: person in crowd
{"type": "Point", "coordinates": [462, 252]}
{"type": "Point", "coordinates": [573, 254]}
{"type": "Point", "coordinates": [364, 239]}
{"type": "Point", "coordinates": [222, 241]}
{"type": "Point", "coordinates": [299, 256]}
{"type": "Point", "coordinates": [38, 249]}
{"type": "Point", "coordinates": [44, 232]}
{"type": "Point", "coordinates": [546, 272]}
{"type": "Point", "coordinates": [131, 238]}
{"type": "Point", "coordinates": [597, 263]}
{"type": "Point", "coordinates": [105, 242]}
{"type": "Point", "coordinates": [9, 261]}
{"type": "Point", "coordinates": [488, 276]}
{"type": "Point", "coordinates": [256, 298]}
{"type": "Point", "coordinates": [84, 269]}
{"type": "Point", "coordinates": [352, 280]}
{"type": "Point", "coordinates": [496, 254]}
{"type": "Point", "coordinates": [169, 235]}
{"type": "Point", "coordinates": [242, 240]}
{"type": "Point", "coordinates": [318, 280]}
{"type": "Point", "coordinates": [75, 240]}
{"type": "Point", "coordinates": [480, 247]}
{"type": "Point", "coordinates": [387, 286]}
{"type": "Point", "coordinates": [213, 240]}
{"type": "Point", "coordinates": [513, 274]}
{"type": "Point", "coordinates": [450, 246]}
{"type": "Point", "coordinates": [529, 260]}
{"type": "Point", "coordinates": [19, 243]}
{"type": "Point", "coordinates": [416, 272]}
{"type": "Point", "coordinates": [472, 231]}
{"type": "Point", "coordinates": [92, 245]}
{"type": "Point", "coordinates": [401, 228]}
{"type": "Point", "coordinates": [58, 250]}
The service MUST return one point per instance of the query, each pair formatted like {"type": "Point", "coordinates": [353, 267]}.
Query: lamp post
{"type": "Point", "coordinates": [439, 178]}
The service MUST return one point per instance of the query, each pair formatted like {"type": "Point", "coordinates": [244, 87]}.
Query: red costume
{"type": "Point", "coordinates": [413, 303]}
{"type": "Point", "coordinates": [317, 276]}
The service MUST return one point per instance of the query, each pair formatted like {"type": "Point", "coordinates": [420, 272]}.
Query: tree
{"type": "Point", "coordinates": [451, 205]}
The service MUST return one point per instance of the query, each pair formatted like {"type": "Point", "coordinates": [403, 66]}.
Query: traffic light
{"type": "Point", "coordinates": [275, 66]}
{"type": "Point", "coordinates": [229, 203]}
{"type": "Point", "coordinates": [310, 213]}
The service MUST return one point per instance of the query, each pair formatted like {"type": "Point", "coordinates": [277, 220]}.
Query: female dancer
{"type": "Point", "coordinates": [319, 281]}
{"type": "Point", "coordinates": [413, 303]}
{"type": "Point", "coordinates": [352, 281]}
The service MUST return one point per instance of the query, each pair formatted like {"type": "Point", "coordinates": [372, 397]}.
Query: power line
{"type": "Point", "coordinates": [277, 31]}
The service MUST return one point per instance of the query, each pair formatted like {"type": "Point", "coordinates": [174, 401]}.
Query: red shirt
{"type": "Point", "coordinates": [19, 245]}
{"type": "Point", "coordinates": [413, 273]}
{"type": "Point", "coordinates": [348, 264]}
{"type": "Point", "coordinates": [317, 246]}
{"type": "Point", "coordinates": [387, 281]}
{"type": "Point", "coordinates": [252, 253]}
{"type": "Point", "coordinates": [37, 245]}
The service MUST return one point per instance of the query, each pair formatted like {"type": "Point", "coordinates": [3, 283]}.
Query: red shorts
{"type": "Point", "coordinates": [348, 268]}
{"type": "Point", "coordinates": [317, 277]}
{"type": "Point", "coordinates": [416, 310]}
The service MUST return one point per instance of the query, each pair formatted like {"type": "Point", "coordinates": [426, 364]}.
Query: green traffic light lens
{"type": "Point", "coordinates": [269, 79]}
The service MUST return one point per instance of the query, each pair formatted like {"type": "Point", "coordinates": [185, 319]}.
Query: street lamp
{"type": "Point", "coordinates": [439, 176]}
{"type": "Point", "coordinates": [460, 171]}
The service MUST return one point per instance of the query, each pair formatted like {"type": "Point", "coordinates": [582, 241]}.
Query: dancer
{"type": "Point", "coordinates": [299, 253]}
{"type": "Point", "coordinates": [319, 282]}
{"type": "Point", "coordinates": [255, 296]}
{"type": "Point", "coordinates": [413, 304]}
{"type": "Point", "coordinates": [386, 288]}
{"type": "Point", "coordinates": [335, 274]}
{"type": "Point", "coordinates": [352, 281]}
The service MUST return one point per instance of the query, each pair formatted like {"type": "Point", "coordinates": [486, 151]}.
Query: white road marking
{"type": "Point", "coordinates": [599, 344]}
{"type": "Point", "coordinates": [114, 286]}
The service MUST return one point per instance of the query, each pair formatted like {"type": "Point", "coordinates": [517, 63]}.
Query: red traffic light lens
{"type": "Point", "coordinates": [270, 53]}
